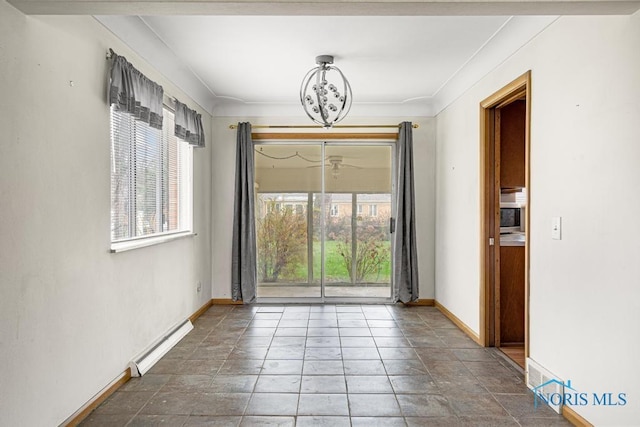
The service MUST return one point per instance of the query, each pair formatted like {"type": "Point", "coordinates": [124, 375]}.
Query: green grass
{"type": "Point", "coordinates": [335, 268]}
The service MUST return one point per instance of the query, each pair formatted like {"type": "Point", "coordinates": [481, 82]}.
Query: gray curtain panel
{"type": "Point", "coordinates": [132, 92]}
{"type": "Point", "coordinates": [189, 125]}
{"type": "Point", "coordinates": [244, 263]}
{"type": "Point", "coordinates": [405, 257]}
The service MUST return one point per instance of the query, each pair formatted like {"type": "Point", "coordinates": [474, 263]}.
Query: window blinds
{"type": "Point", "coordinates": [150, 178]}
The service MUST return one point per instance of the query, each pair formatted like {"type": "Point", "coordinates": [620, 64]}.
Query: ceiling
{"type": "Point", "coordinates": [388, 57]}
{"type": "Point", "coordinates": [262, 59]}
{"type": "Point", "coordinates": [403, 58]}
{"type": "Point", "coordinates": [250, 61]}
{"type": "Point", "coordinates": [253, 65]}
{"type": "Point", "coordinates": [292, 156]}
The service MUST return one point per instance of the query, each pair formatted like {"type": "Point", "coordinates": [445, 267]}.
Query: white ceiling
{"type": "Point", "coordinates": [263, 59]}
{"type": "Point", "coordinates": [253, 65]}
{"type": "Point", "coordinates": [403, 58]}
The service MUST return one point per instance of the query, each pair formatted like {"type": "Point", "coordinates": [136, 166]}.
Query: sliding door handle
{"type": "Point", "coordinates": [392, 225]}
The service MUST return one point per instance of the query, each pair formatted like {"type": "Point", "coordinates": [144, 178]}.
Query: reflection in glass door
{"type": "Point", "coordinates": [357, 244]}
{"type": "Point", "coordinates": [322, 220]}
{"type": "Point", "coordinates": [287, 179]}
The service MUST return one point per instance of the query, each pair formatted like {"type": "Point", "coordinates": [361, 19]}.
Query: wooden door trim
{"type": "Point", "coordinates": [497, 161]}
{"type": "Point", "coordinates": [486, 265]}
{"type": "Point", "coordinates": [509, 93]}
{"type": "Point", "coordinates": [516, 87]}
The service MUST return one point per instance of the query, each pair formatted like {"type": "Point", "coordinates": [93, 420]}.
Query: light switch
{"type": "Point", "coordinates": [556, 228]}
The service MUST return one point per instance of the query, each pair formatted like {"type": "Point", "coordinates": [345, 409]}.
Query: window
{"type": "Point", "coordinates": [359, 209]}
{"type": "Point", "coordinates": [334, 210]}
{"type": "Point", "coordinates": [373, 210]}
{"type": "Point", "coordinates": [151, 179]}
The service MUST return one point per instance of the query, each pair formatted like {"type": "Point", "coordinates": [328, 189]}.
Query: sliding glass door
{"type": "Point", "coordinates": [323, 212]}
{"type": "Point", "coordinates": [357, 249]}
{"type": "Point", "coordinates": [288, 180]}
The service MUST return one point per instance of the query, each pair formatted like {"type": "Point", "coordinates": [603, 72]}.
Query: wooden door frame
{"type": "Point", "coordinates": [489, 179]}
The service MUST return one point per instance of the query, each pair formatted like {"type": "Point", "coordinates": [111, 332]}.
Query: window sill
{"type": "Point", "coordinates": [148, 241]}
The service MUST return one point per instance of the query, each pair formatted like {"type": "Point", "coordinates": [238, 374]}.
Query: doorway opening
{"type": "Point", "coordinates": [505, 189]}
{"type": "Point", "coordinates": [323, 212]}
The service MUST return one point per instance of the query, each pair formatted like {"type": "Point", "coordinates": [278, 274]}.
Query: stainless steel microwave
{"type": "Point", "coordinates": [510, 217]}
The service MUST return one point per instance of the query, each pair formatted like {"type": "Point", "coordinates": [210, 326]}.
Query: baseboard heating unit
{"type": "Point", "coordinates": [547, 388]}
{"type": "Point", "coordinates": [141, 365]}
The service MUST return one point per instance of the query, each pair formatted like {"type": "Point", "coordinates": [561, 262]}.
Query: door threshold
{"type": "Point", "coordinates": [327, 300]}
{"type": "Point", "coordinates": [515, 353]}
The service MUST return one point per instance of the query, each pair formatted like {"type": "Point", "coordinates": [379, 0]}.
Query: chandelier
{"type": "Point", "coordinates": [325, 93]}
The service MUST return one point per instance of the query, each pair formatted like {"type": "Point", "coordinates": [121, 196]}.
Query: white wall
{"type": "Point", "coordinates": [585, 151]}
{"type": "Point", "coordinates": [72, 315]}
{"type": "Point", "coordinates": [223, 169]}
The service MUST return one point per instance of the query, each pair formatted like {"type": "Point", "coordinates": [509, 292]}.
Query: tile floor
{"type": "Point", "coordinates": [326, 365]}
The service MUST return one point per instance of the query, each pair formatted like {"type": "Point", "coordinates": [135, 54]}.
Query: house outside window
{"type": "Point", "coordinates": [151, 179]}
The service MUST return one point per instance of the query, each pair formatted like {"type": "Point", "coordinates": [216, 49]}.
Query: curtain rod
{"type": "Point", "coordinates": [415, 126]}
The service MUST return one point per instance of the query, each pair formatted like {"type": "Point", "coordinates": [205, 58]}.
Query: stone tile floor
{"type": "Point", "coordinates": [326, 365]}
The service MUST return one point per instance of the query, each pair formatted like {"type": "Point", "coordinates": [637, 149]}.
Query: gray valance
{"type": "Point", "coordinates": [132, 92]}
{"type": "Point", "coordinates": [189, 125]}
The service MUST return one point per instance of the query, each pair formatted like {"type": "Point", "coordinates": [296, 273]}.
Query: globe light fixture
{"type": "Point", "coordinates": [325, 93]}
